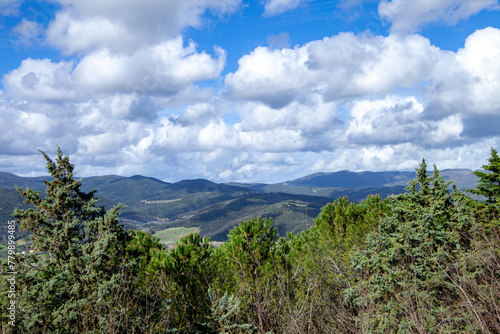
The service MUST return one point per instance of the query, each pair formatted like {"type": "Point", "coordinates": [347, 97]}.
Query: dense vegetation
{"type": "Point", "coordinates": [426, 261]}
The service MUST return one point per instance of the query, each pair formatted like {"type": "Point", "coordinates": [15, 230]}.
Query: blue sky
{"type": "Point", "coordinates": [254, 91]}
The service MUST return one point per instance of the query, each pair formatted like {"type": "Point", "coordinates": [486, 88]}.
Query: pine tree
{"type": "Point", "coordinates": [489, 183]}
{"type": "Point", "coordinates": [189, 267]}
{"type": "Point", "coordinates": [78, 249]}
{"type": "Point", "coordinates": [248, 253]}
{"type": "Point", "coordinates": [344, 224]}
{"type": "Point", "coordinates": [408, 264]}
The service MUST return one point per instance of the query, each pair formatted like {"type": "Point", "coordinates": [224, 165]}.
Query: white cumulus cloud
{"type": "Point", "coordinates": [342, 66]}
{"type": "Point", "coordinates": [166, 68]}
{"type": "Point", "coordinates": [137, 97]}
{"type": "Point", "coordinates": [410, 15]}
{"type": "Point", "coordinates": [83, 26]}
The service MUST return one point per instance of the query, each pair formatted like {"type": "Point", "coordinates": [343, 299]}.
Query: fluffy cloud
{"type": "Point", "coordinates": [310, 117]}
{"type": "Point", "coordinates": [467, 84]}
{"type": "Point", "coordinates": [479, 58]}
{"type": "Point", "coordinates": [275, 7]}
{"type": "Point", "coordinates": [27, 31]}
{"type": "Point", "coordinates": [166, 68]}
{"type": "Point", "coordinates": [343, 66]}
{"type": "Point", "coordinates": [392, 120]}
{"type": "Point", "coordinates": [271, 76]}
{"type": "Point", "coordinates": [200, 113]}
{"type": "Point", "coordinates": [263, 139]}
{"type": "Point", "coordinates": [453, 89]}
{"type": "Point", "coordinates": [405, 156]}
{"type": "Point", "coordinates": [26, 126]}
{"type": "Point", "coordinates": [40, 79]}
{"type": "Point", "coordinates": [83, 26]}
{"type": "Point", "coordinates": [174, 137]}
{"type": "Point", "coordinates": [396, 120]}
{"type": "Point", "coordinates": [131, 64]}
{"type": "Point", "coordinates": [409, 15]}
{"type": "Point", "coordinates": [136, 97]}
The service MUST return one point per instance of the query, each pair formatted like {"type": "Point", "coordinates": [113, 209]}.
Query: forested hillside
{"type": "Point", "coordinates": [154, 205]}
{"type": "Point", "coordinates": [424, 261]}
{"type": "Point", "coordinates": [357, 185]}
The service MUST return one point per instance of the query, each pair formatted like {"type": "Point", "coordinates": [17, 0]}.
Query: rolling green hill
{"type": "Point", "coordinates": [9, 200]}
{"type": "Point", "coordinates": [291, 213]}
{"type": "Point", "coordinates": [8, 180]}
{"type": "Point", "coordinates": [155, 205]}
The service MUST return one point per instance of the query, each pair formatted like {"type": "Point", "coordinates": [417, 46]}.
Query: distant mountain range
{"type": "Point", "coordinates": [215, 208]}
{"type": "Point", "coordinates": [357, 185]}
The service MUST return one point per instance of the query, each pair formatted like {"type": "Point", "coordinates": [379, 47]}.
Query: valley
{"type": "Point", "coordinates": [213, 209]}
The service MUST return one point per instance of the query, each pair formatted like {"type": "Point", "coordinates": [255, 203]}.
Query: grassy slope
{"type": "Point", "coordinates": [169, 236]}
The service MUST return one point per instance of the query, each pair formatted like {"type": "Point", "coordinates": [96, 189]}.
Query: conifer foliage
{"type": "Point", "coordinates": [346, 224]}
{"type": "Point", "coordinates": [188, 267]}
{"type": "Point", "coordinates": [409, 262]}
{"type": "Point", "coordinates": [489, 182]}
{"type": "Point", "coordinates": [78, 250]}
{"type": "Point", "coordinates": [248, 253]}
